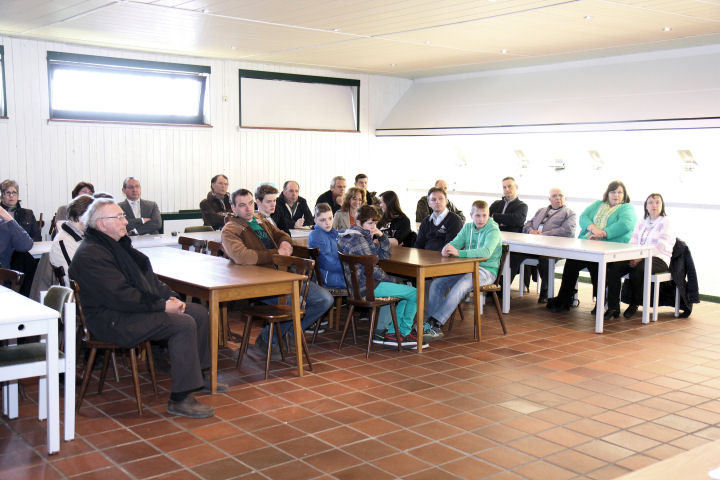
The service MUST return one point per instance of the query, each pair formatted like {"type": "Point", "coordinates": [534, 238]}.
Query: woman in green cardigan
{"type": "Point", "coordinates": [610, 220]}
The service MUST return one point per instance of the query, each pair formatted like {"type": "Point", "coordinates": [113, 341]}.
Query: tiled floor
{"type": "Point", "coordinates": [551, 400]}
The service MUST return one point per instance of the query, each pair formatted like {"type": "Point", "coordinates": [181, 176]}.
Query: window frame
{"type": "Point", "coordinates": [3, 107]}
{"type": "Point", "coordinates": [292, 77]}
{"type": "Point", "coordinates": [93, 63]}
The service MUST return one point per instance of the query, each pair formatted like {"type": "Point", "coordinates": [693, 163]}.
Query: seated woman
{"type": "Point", "coordinates": [353, 200]}
{"type": "Point", "coordinates": [324, 237]}
{"type": "Point", "coordinates": [13, 238]}
{"type": "Point", "coordinates": [71, 233]}
{"type": "Point", "coordinates": [364, 238]}
{"type": "Point", "coordinates": [21, 261]}
{"type": "Point", "coordinates": [82, 188]}
{"type": "Point", "coordinates": [653, 230]}
{"type": "Point", "coordinates": [394, 223]}
{"type": "Point", "coordinates": [609, 220]}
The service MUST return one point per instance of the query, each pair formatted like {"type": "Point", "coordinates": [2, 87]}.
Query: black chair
{"type": "Point", "coordinates": [11, 279]}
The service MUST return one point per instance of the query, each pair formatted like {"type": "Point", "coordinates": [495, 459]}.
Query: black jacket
{"type": "Point", "coordinates": [282, 217]}
{"type": "Point", "coordinates": [514, 217]}
{"type": "Point", "coordinates": [399, 229]}
{"type": "Point", "coordinates": [327, 197]}
{"type": "Point", "coordinates": [432, 237]}
{"type": "Point", "coordinates": [26, 218]}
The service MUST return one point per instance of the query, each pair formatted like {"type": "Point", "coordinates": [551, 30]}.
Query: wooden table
{"type": "Point", "coordinates": [578, 249]}
{"type": "Point", "coordinates": [693, 464]}
{"type": "Point", "coordinates": [421, 264]}
{"type": "Point", "coordinates": [217, 280]}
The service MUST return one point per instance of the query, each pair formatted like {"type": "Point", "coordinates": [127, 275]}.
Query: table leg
{"type": "Point", "coordinates": [53, 387]}
{"type": "Point", "coordinates": [297, 327]}
{"type": "Point", "coordinates": [420, 285]}
{"type": "Point", "coordinates": [69, 332]}
{"type": "Point", "coordinates": [476, 296]}
{"type": "Point", "coordinates": [646, 289]}
{"type": "Point", "coordinates": [214, 307]}
{"type": "Point", "coordinates": [506, 285]}
{"type": "Point", "coordinates": [551, 278]}
{"type": "Point", "coordinates": [600, 297]}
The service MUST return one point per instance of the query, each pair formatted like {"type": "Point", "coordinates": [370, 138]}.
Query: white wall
{"type": "Point", "coordinates": [174, 164]}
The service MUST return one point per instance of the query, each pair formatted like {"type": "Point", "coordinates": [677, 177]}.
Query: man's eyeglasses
{"type": "Point", "coordinates": [118, 217]}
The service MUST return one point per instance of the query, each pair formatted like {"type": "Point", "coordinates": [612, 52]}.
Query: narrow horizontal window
{"type": "Point", "coordinates": [3, 97]}
{"type": "Point", "coordinates": [298, 102]}
{"type": "Point", "coordinates": [85, 87]}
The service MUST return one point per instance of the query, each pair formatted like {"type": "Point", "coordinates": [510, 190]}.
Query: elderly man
{"type": "Point", "coordinates": [292, 210]}
{"type": "Point", "coordinates": [216, 207]}
{"type": "Point", "coordinates": [555, 220]}
{"type": "Point", "coordinates": [423, 208]}
{"type": "Point", "coordinates": [509, 212]}
{"type": "Point", "coordinates": [266, 201]}
{"type": "Point", "coordinates": [441, 226]}
{"type": "Point", "coordinates": [143, 216]}
{"type": "Point", "coordinates": [334, 196]}
{"type": "Point", "coordinates": [125, 303]}
{"type": "Point", "coordinates": [249, 239]}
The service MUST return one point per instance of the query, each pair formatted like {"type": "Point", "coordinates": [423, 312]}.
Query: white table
{"type": "Point", "coordinates": [578, 249]}
{"type": "Point", "coordinates": [22, 317]}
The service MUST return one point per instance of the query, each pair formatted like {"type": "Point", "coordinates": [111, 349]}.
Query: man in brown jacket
{"type": "Point", "coordinates": [249, 239]}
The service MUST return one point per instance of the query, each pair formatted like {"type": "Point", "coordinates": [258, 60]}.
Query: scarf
{"type": "Point", "coordinates": [602, 215]}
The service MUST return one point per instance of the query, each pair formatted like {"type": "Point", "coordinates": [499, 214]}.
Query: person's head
{"type": "Point", "coordinates": [78, 206]}
{"type": "Point", "coordinates": [265, 196]}
{"type": "Point", "coordinates": [102, 195]}
{"type": "Point", "coordinates": [10, 191]}
{"type": "Point", "coordinates": [361, 181]}
{"type": "Point", "coordinates": [291, 191]}
{"type": "Point", "coordinates": [440, 183]}
{"type": "Point", "coordinates": [654, 206]}
{"type": "Point", "coordinates": [557, 198]}
{"type": "Point", "coordinates": [437, 199]}
{"type": "Point", "coordinates": [367, 217]}
{"type": "Point", "coordinates": [616, 193]}
{"type": "Point", "coordinates": [219, 185]}
{"type": "Point", "coordinates": [390, 205]}
{"type": "Point", "coordinates": [323, 216]}
{"type": "Point", "coordinates": [105, 215]}
{"type": "Point", "coordinates": [86, 188]}
{"type": "Point", "coordinates": [480, 213]}
{"type": "Point", "coordinates": [354, 199]}
{"type": "Point", "coordinates": [131, 188]}
{"type": "Point", "coordinates": [337, 187]}
{"type": "Point", "coordinates": [509, 188]}
{"type": "Point", "coordinates": [243, 204]}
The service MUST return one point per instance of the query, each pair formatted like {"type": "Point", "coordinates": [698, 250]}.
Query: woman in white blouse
{"type": "Point", "coordinates": [70, 234]}
{"type": "Point", "coordinates": [653, 230]}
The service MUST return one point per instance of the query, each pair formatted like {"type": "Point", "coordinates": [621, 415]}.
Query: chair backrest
{"type": "Point", "coordinates": [59, 274]}
{"type": "Point", "coordinates": [198, 228]}
{"type": "Point", "coordinates": [410, 239]}
{"type": "Point", "coordinates": [11, 279]}
{"type": "Point", "coordinates": [301, 266]}
{"type": "Point", "coordinates": [312, 253]}
{"type": "Point", "coordinates": [215, 249]}
{"type": "Point", "coordinates": [53, 227]}
{"type": "Point", "coordinates": [198, 246]}
{"type": "Point", "coordinates": [56, 297]}
{"type": "Point", "coordinates": [78, 307]}
{"type": "Point", "coordinates": [351, 269]}
{"type": "Point", "coordinates": [40, 222]}
{"type": "Point", "coordinates": [503, 259]}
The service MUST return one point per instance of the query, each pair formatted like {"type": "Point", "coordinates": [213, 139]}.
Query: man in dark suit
{"type": "Point", "coordinates": [291, 210]}
{"type": "Point", "coordinates": [143, 216]}
{"type": "Point", "coordinates": [509, 212]}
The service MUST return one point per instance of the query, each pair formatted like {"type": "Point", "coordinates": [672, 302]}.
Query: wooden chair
{"type": "Point", "coordinates": [493, 288]}
{"type": "Point", "coordinates": [276, 314]}
{"type": "Point", "coordinates": [40, 222]}
{"type": "Point", "coordinates": [95, 345]}
{"type": "Point", "coordinates": [11, 279]}
{"type": "Point", "coordinates": [59, 275]}
{"type": "Point", "coordinates": [215, 249]}
{"type": "Point", "coordinates": [199, 246]}
{"type": "Point", "coordinates": [356, 298]}
{"type": "Point", "coordinates": [198, 228]}
{"type": "Point", "coordinates": [338, 293]}
{"type": "Point", "coordinates": [53, 227]}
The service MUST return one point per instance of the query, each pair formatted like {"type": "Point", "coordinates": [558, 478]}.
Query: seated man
{"type": "Point", "coordinates": [292, 210]}
{"type": "Point", "coordinates": [423, 208]}
{"type": "Point", "coordinates": [479, 239]}
{"type": "Point", "coordinates": [216, 206]}
{"type": "Point", "coordinates": [361, 181]}
{"type": "Point", "coordinates": [143, 216]}
{"type": "Point", "coordinates": [441, 226]}
{"type": "Point", "coordinates": [249, 239]}
{"type": "Point", "coordinates": [510, 212]}
{"type": "Point", "coordinates": [125, 303]}
{"type": "Point", "coordinates": [364, 238]}
{"type": "Point", "coordinates": [266, 200]}
{"type": "Point", "coordinates": [334, 196]}
{"type": "Point", "coordinates": [555, 220]}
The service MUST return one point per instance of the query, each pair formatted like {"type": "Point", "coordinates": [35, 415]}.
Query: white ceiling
{"type": "Point", "coordinates": [408, 38]}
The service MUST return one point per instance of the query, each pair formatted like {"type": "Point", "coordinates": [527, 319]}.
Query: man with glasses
{"type": "Point", "coordinates": [125, 303]}
{"type": "Point", "coordinates": [143, 216]}
{"type": "Point", "coordinates": [249, 239]}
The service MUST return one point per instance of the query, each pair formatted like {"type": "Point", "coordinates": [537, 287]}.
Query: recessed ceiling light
{"type": "Point", "coordinates": [233, 47]}
{"type": "Point", "coordinates": [588, 17]}
{"type": "Point", "coordinates": [335, 29]}
{"type": "Point", "coordinates": [503, 51]}
{"type": "Point", "coordinates": [666, 29]}
{"type": "Point", "coordinates": [427, 42]}
{"type": "Point", "coordinates": [393, 64]}
{"type": "Point", "coordinates": [206, 10]}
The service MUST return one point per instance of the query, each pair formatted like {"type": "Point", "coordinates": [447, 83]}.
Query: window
{"type": "Point", "coordinates": [85, 87]}
{"type": "Point", "coordinates": [298, 102]}
{"type": "Point", "coordinates": [3, 101]}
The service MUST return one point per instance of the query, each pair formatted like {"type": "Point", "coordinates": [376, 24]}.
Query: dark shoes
{"type": "Point", "coordinates": [611, 313]}
{"type": "Point", "coordinates": [259, 351]}
{"type": "Point", "coordinates": [543, 298]}
{"type": "Point", "coordinates": [556, 305]}
{"type": "Point", "coordinates": [630, 311]}
{"type": "Point", "coordinates": [189, 407]}
{"type": "Point", "coordinates": [219, 387]}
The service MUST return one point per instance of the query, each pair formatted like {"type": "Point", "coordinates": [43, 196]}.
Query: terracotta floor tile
{"type": "Point", "coordinates": [362, 472]}
{"type": "Point", "coordinates": [608, 472]}
{"type": "Point", "coordinates": [131, 451]}
{"type": "Point", "coordinates": [371, 449]}
{"type": "Point", "coordinates": [303, 446]}
{"type": "Point", "coordinates": [680, 423]}
{"type": "Point", "coordinates": [401, 464]}
{"type": "Point", "coordinates": [332, 460]}
{"type": "Point", "coordinates": [104, 474]}
{"type": "Point", "coordinates": [263, 457]}
{"type": "Point", "coordinates": [151, 467]}
{"type": "Point", "coordinates": [540, 470]}
{"type": "Point", "coordinates": [470, 468]}
{"type": "Point", "coordinates": [82, 463]}
{"type": "Point", "coordinates": [575, 461]}
{"type": "Point", "coordinates": [636, 462]}
{"type": "Point", "coordinates": [536, 446]}
{"type": "Point", "coordinates": [197, 455]}
{"type": "Point", "coordinates": [295, 470]}
{"type": "Point", "coordinates": [43, 471]}
{"type": "Point", "coordinates": [605, 451]}
{"type": "Point", "coordinates": [504, 457]}
{"type": "Point", "coordinates": [340, 436]}
{"type": "Point", "coordinates": [631, 441]}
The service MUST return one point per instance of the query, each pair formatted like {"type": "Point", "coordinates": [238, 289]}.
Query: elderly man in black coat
{"type": "Point", "coordinates": [125, 303]}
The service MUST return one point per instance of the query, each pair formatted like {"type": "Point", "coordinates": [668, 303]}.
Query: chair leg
{"type": "Point", "coordinates": [115, 367]}
{"type": "Point", "coordinates": [351, 311]}
{"type": "Point", "coordinates": [151, 366]}
{"type": "Point", "coordinates": [677, 302]}
{"type": "Point", "coordinates": [373, 320]}
{"type": "Point", "coordinates": [245, 341]}
{"type": "Point", "coordinates": [656, 300]}
{"type": "Point", "coordinates": [317, 327]}
{"type": "Point", "coordinates": [306, 351]}
{"type": "Point", "coordinates": [103, 372]}
{"type": "Point", "coordinates": [136, 379]}
{"type": "Point", "coordinates": [521, 280]}
{"type": "Point", "coordinates": [500, 316]}
{"type": "Point", "coordinates": [393, 314]}
{"type": "Point", "coordinates": [283, 347]}
{"type": "Point", "coordinates": [86, 377]}
{"type": "Point", "coordinates": [269, 352]}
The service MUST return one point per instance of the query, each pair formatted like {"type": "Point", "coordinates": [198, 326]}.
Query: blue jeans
{"type": "Point", "coordinates": [318, 302]}
{"type": "Point", "coordinates": [446, 293]}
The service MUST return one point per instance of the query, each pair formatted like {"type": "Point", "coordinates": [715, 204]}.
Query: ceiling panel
{"type": "Point", "coordinates": [19, 16]}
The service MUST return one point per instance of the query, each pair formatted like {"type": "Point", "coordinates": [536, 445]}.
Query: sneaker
{"type": "Point", "coordinates": [630, 311]}
{"type": "Point", "coordinates": [379, 337]}
{"type": "Point", "coordinates": [311, 329]}
{"type": "Point", "coordinates": [189, 407]}
{"type": "Point", "coordinates": [431, 333]}
{"type": "Point", "coordinates": [410, 341]}
{"type": "Point", "coordinates": [391, 339]}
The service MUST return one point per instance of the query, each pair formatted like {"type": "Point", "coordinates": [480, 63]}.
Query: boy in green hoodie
{"type": "Point", "coordinates": [478, 239]}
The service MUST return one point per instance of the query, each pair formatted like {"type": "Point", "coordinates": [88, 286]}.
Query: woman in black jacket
{"type": "Point", "coordinates": [394, 223]}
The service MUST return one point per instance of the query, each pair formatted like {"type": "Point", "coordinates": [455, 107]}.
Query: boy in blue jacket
{"type": "Point", "coordinates": [325, 238]}
{"type": "Point", "coordinates": [478, 239]}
